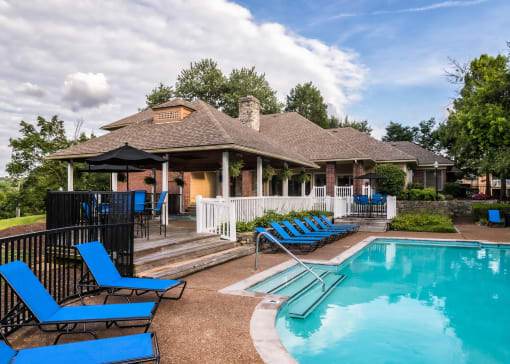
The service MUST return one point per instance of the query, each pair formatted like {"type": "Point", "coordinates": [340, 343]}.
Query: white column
{"type": "Point", "coordinates": [303, 188]}
{"type": "Point", "coordinates": [259, 177]}
{"type": "Point", "coordinates": [153, 190]}
{"type": "Point", "coordinates": [225, 176]}
{"type": "Point", "coordinates": [114, 181]}
{"type": "Point", "coordinates": [285, 187]}
{"type": "Point", "coordinates": [70, 177]}
{"type": "Point", "coordinates": [181, 195]}
{"type": "Point", "coordinates": [164, 183]}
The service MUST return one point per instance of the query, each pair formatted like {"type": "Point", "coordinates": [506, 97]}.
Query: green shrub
{"type": "Point", "coordinates": [426, 194]}
{"type": "Point", "coordinates": [395, 180]}
{"type": "Point", "coordinates": [271, 215]}
{"type": "Point", "coordinates": [481, 210]}
{"type": "Point", "coordinates": [454, 189]}
{"type": "Point", "coordinates": [415, 186]}
{"type": "Point", "coordinates": [441, 197]}
{"type": "Point", "coordinates": [423, 222]}
{"type": "Point", "coordinates": [483, 221]}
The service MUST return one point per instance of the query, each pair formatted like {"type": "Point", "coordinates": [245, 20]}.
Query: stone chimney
{"type": "Point", "coordinates": [249, 111]}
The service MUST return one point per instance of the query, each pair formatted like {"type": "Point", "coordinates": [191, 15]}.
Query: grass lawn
{"type": "Point", "coordinates": [25, 220]}
{"type": "Point", "coordinates": [429, 223]}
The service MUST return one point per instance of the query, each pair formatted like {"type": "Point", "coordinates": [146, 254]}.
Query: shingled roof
{"type": "Point", "coordinates": [294, 132]}
{"type": "Point", "coordinates": [375, 149]}
{"type": "Point", "coordinates": [205, 127]}
{"type": "Point", "coordinates": [425, 157]}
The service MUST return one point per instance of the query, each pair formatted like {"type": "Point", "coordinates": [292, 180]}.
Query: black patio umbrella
{"type": "Point", "coordinates": [126, 156]}
{"type": "Point", "coordinates": [370, 177]}
{"type": "Point", "coordinates": [109, 168]}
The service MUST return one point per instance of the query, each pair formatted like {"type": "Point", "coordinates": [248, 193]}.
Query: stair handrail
{"type": "Point", "coordinates": [273, 239]}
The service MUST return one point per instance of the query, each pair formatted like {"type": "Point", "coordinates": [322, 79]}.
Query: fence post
{"type": "Point", "coordinates": [200, 217]}
{"type": "Point", "coordinates": [232, 221]}
{"type": "Point", "coordinates": [391, 207]}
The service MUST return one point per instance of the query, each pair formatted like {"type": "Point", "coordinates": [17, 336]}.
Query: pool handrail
{"type": "Point", "coordinates": [274, 240]}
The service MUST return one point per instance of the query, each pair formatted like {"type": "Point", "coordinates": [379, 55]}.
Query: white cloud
{"type": "Point", "coordinates": [85, 90]}
{"type": "Point", "coordinates": [32, 90]}
{"type": "Point", "coordinates": [444, 4]}
{"type": "Point", "coordinates": [109, 54]}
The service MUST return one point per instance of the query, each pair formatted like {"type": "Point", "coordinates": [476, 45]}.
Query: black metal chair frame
{"type": "Point", "coordinates": [68, 327]}
{"type": "Point", "coordinates": [89, 281]}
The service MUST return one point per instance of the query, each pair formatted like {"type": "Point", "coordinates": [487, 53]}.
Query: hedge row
{"type": "Point", "coordinates": [423, 222]}
{"type": "Point", "coordinates": [270, 216]}
{"type": "Point", "coordinates": [481, 210]}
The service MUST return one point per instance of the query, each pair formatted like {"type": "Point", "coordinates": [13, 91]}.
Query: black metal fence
{"type": "Point", "coordinates": [173, 201]}
{"type": "Point", "coordinates": [88, 208]}
{"type": "Point", "coordinates": [57, 265]}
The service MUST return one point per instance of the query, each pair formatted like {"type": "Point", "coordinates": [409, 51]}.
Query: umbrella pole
{"type": "Point", "coordinates": [127, 177]}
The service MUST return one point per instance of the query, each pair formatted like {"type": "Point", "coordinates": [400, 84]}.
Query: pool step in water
{"type": "Point", "coordinates": [299, 285]}
{"type": "Point", "coordinates": [278, 282]}
{"type": "Point", "coordinates": [304, 303]}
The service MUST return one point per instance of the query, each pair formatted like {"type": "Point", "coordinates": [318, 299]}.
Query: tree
{"type": "Point", "coordinates": [204, 81]}
{"type": "Point", "coordinates": [477, 127]}
{"type": "Point", "coordinates": [394, 182]}
{"type": "Point", "coordinates": [159, 95]}
{"type": "Point", "coordinates": [38, 174]}
{"type": "Point", "coordinates": [307, 100]}
{"type": "Point", "coordinates": [428, 135]}
{"type": "Point", "coordinates": [246, 81]}
{"type": "Point", "coordinates": [362, 126]}
{"type": "Point", "coordinates": [396, 132]}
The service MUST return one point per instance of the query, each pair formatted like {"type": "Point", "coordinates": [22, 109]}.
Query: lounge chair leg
{"type": "Point", "coordinates": [74, 332]}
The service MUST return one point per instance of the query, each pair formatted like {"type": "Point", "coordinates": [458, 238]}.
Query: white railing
{"type": "Point", "coordinates": [343, 191]}
{"type": "Point", "coordinates": [367, 190]}
{"type": "Point", "coordinates": [249, 208]}
{"type": "Point", "coordinates": [216, 216]}
{"type": "Point", "coordinates": [319, 198]}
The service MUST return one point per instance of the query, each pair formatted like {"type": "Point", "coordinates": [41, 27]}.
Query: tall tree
{"type": "Point", "coordinates": [477, 126]}
{"type": "Point", "coordinates": [29, 163]}
{"type": "Point", "coordinates": [396, 132]}
{"type": "Point", "coordinates": [159, 95]}
{"type": "Point", "coordinates": [306, 99]}
{"type": "Point", "coordinates": [204, 81]}
{"type": "Point", "coordinates": [246, 81]}
{"type": "Point", "coordinates": [428, 135]}
{"type": "Point", "coordinates": [346, 123]}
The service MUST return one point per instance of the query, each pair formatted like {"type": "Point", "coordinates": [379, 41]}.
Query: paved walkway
{"type": "Point", "coordinates": [206, 326]}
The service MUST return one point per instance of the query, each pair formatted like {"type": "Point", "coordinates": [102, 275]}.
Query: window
{"type": "Point", "coordinates": [319, 180]}
{"type": "Point", "coordinates": [430, 179]}
{"type": "Point", "coordinates": [344, 180]}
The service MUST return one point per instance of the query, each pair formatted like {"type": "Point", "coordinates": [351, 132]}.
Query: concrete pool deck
{"type": "Point", "coordinates": [207, 326]}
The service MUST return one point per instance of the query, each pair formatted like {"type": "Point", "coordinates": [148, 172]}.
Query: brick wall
{"type": "Point", "coordinates": [357, 170]}
{"type": "Point", "coordinates": [246, 183]}
{"type": "Point", "coordinates": [330, 178]}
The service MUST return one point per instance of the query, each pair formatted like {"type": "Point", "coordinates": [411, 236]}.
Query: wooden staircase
{"type": "Point", "coordinates": [174, 258]}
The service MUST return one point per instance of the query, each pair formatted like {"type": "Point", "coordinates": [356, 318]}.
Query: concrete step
{"type": "Point", "coordinates": [181, 252]}
{"type": "Point", "coordinates": [144, 248]}
{"type": "Point", "coordinates": [373, 225]}
{"type": "Point", "coordinates": [184, 268]}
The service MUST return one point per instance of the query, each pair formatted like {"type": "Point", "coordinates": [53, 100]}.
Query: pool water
{"type": "Point", "coordinates": [409, 303]}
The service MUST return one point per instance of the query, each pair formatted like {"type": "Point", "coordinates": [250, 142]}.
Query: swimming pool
{"type": "Point", "coordinates": [407, 302]}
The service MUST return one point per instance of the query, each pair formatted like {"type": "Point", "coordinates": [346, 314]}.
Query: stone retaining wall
{"type": "Point", "coordinates": [451, 208]}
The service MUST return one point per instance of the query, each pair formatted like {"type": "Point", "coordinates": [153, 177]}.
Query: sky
{"type": "Point", "coordinates": [379, 60]}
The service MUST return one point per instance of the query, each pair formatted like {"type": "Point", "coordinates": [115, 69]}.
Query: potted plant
{"type": "Point", "coordinates": [121, 177]}
{"type": "Point", "coordinates": [235, 168]}
{"type": "Point", "coordinates": [303, 177]}
{"type": "Point", "coordinates": [149, 180]}
{"type": "Point", "coordinates": [179, 181]}
{"type": "Point", "coordinates": [284, 174]}
{"type": "Point", "coordinates": [268, 172]}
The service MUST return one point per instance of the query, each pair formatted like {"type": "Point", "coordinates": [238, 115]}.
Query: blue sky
{"type": "Point", "coordinates": [92, 62]}
{"type": "Point", "coordinates": [405, 45]}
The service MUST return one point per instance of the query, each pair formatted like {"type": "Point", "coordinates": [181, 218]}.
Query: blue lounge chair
{"type": "Point", "coordinates": [49, 313]}
{"type": "Point", "coordinates": [304, 246]}
{"type": "Point", "coordinates": [124, 349]}
{"type": "Point", "coordinates": [305, 229]}
{"type": "Point", "coordinates": [316, 228]}
{"type": "Point", "coordinates": [297, 233]}
{"type": "Point", "coordinates": [353, 228]}
{"type": "Point", "coordinates": [323, 226]}
{"type": "Point", "coordinates": [286, 236]}
{"type": "Point", "coordinates": [494, 217]}
{"type": "Point", "coordinates": [106, 276]}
